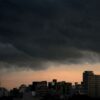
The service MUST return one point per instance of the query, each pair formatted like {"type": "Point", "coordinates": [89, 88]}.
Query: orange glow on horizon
{"type": "Point", "coordinates": [68, 73]}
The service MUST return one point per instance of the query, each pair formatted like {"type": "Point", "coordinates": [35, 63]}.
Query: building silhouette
{"type": "Point", "coordinates": [91, 84]}
{"type": "Point", "coordinates": [56, 90]}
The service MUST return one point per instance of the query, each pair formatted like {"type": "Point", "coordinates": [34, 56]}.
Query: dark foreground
{"type": "Point", "coordinates": [50, 97]}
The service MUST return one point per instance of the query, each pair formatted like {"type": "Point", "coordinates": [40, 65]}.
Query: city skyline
{"type": "Point", "coordinates": [56, 90]}
{"type": "Point", "coordinates": [45, 39]}
{"type": "Point", "coordinates": [26, 77]}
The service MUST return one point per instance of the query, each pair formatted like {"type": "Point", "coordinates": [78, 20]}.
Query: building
{"type": "Point", "coordinates": [60, 88]}
{"type": "Point", "coordinates": [78, 89]}
{"type": "Point", "coordinates": [97, 85]}
{"type": "Point", "coordinates": [40, 88]}
{"type": "Point", "coordinates": [64, 88]}
{"type": "Point", "coordinates": [86, 80]}
{"type": "Point", "coordinates": [91, 84]}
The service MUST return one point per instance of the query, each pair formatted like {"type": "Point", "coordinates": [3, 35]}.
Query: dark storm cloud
{"type": "Point", "coordinates": [37, 31]}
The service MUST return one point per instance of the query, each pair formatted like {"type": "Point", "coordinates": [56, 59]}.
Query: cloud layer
{"type": "Point", "coordinates": [33, 32]}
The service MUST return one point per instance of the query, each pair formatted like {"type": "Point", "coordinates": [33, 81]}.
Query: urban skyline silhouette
{"type": "Point", "coordinates": [89, 87]}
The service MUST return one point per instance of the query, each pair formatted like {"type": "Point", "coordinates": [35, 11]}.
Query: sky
{"type": "Point", "coordinates": [41, 37]}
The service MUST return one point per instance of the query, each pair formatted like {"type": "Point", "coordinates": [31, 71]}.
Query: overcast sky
{"type": "Point", "coordinates": [57, 37]}
{"type": "Point", "coordinates": [35, 32]}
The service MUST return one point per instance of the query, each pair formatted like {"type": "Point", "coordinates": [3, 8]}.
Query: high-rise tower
{"type": "Point", "coordinates": [91, 84]}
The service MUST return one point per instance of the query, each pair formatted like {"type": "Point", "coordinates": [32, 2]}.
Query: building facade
{"type": "Point", "coordinates": [91, 84]}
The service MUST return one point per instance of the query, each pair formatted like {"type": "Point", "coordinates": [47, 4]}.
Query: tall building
{"type": "Point", "coordinates": [91, 84]}
{"type": "Point", "coordinates": [97, 85]}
